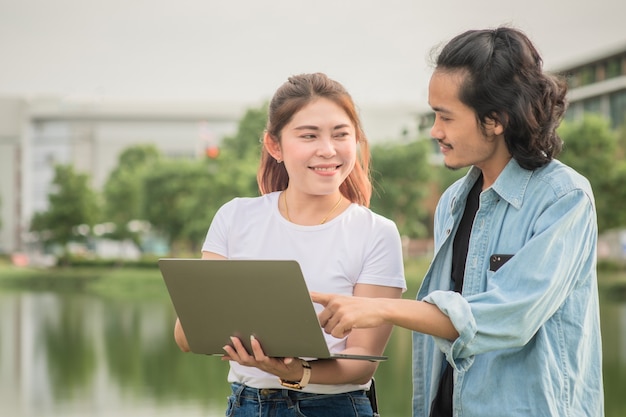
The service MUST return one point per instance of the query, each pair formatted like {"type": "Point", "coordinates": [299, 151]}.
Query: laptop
{"type": "Point", "coordinates": [216, 299]}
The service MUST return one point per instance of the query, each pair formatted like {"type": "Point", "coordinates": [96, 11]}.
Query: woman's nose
{"type": "Point", "coordinates": [326, 147]}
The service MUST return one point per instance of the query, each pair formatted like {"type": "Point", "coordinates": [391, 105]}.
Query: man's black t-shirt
{"type": "Point", "coordinates": [442, 404]}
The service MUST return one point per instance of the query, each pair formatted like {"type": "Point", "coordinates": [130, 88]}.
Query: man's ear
{"type": "Point", "coordinates": [493, 126]}
{"type": "Point", "coordinates": [273, 147]}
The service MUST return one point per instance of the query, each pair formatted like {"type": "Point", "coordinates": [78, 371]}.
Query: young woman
{"type": "Point", "coordinates": [315, 186]}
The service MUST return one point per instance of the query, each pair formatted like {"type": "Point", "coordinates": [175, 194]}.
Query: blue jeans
{"type": "Point", "coordinates": [251, 402]}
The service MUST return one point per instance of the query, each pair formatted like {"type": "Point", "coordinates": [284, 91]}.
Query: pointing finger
{"type": "Point", "coordinates": [320, 298]}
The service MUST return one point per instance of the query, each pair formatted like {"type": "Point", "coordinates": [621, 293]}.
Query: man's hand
{"type": "Point", "coordinates": [341, 314]}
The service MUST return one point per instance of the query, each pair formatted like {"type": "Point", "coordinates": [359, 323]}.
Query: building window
{"type": "Point", "coordinates": [573, 112]}
{"type": "Point", "coordinates": [587, 75]}
{"type": "Point", "coordinates": [593, 105]}
{"type": "Point", "coordinates": [617, 101]}
{"type": "Point", "coordinates": [613, 67]}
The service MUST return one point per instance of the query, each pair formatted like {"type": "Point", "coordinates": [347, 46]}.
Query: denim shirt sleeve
{"type": "Point", "coordinates": [459, 311]}
{"type": "Point", "coordinates": [552, 236]}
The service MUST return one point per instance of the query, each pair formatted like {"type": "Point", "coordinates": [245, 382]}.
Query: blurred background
{"type": "Point", "coordinates": [124, 125]}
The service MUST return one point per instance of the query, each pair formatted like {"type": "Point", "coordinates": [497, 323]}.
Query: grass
{"type": "Point", "coordinates": [128, 282]}
{"type": "Point", "coordinates": [146, 283]}
{"type": "Point", "coordinates": [414, 271]}
{"type": "Point", "coordinates": [118, 282]}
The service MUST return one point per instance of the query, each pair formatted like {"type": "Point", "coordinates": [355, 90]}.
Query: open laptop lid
{"type": "Point", "coordinates": [216, 299]}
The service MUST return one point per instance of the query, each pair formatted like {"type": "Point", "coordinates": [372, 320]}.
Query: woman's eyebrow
{"type": "Point", "coordinates": [312, 127]}
{"type": "Point", "coordinates": [306, 127]}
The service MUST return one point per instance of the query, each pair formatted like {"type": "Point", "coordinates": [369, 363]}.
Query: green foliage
{"type": "Point", "coordinates": [445, 177]}
{"type": "Point", "coordinates": [123, 191]}
{"type": "Point", "coordinates": [592, 149]}
{"type": "Point", "coordinates": [401, 185]}
{"type": "Point", "coordinates": [249, 135]}
{"type": "Point", "coordinates": [181, 197]}
{"type": "Point", "coordinates": [72, 203]}
{"type": "Point", "coordinates": [589, 146]}
{"type": "Point", "coordinates": [621, 142]}
{"type": "Point", "coordinates": [173, 189]}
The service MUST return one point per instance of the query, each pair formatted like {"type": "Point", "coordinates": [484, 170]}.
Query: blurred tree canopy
{"type": "Point", "coordinates": [247, 141]}
{"type": "Point", "coordinates": [124, 190]}
{"type": "Point", "coordinates": [593, 149]}
{"type": "Point", "coordinates": [400, 176]}
{"type": "Point", "coordinates": [73, 209]}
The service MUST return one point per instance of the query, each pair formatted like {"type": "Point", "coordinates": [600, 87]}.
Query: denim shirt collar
{"type": "Point", "coordinates": [512, 182]}
{"type": "Point", "coordinates": [510, 185]}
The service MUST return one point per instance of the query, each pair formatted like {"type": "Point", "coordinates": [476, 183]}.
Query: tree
{"type": "Point", "coordinates": [591, 148]}
{"type": "Point", "coordinates": [400, 177]}
{"type": "Point", "coordinates": [247, 140]}
{"type": "Point", "coordinates": [181, 197]}
{"type": "Point", "coordinates": [71, 205]}
{"type": "Point", "coordinates": [171, 189]}
{"type": "Point", "coordinates": [621, 141]}
{"type": "Point", "coordinates": [123, 191]}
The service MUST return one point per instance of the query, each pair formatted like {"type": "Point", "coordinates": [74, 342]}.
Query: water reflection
{"type": "Point", "coordinates": [76, 355]}
{"type": "Point", "coordinates": [63, 355]}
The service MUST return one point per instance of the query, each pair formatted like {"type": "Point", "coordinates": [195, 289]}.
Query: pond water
{"type": "Point", "coordinates": [80, 355]}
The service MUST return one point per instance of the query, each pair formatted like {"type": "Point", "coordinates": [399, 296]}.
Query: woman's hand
{"type": "Point", "coordinates": [289, 369]}
{"type": "Point", "coordinates": [179, 336]}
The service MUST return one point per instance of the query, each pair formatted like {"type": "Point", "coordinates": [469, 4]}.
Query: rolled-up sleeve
{"type": "Point", "coordinates": [459, 311]}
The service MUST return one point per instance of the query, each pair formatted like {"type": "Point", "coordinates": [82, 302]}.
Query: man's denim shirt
{"type": "Point", "coordinates": [529, 334]}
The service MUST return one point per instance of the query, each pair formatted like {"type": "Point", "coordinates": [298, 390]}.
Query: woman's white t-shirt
{"type": "Point", "coordinates": [358, 246]}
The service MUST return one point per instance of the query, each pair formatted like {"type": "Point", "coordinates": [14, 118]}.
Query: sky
{"type": "Point", "coordinates": [242, 50]}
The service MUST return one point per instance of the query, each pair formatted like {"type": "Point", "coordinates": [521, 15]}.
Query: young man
{"type": "Point", "coordinates": [507, 319]}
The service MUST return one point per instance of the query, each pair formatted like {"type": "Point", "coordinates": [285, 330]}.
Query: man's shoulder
{"type": "Point", "coordinates": [561, 178]}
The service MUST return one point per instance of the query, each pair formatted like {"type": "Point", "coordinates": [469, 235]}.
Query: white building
{"type": "Point", "coordinates": [597, 84]}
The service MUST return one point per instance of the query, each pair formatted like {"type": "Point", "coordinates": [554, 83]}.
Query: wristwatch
{"type": "Point", "coordinates": [303, 382]}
